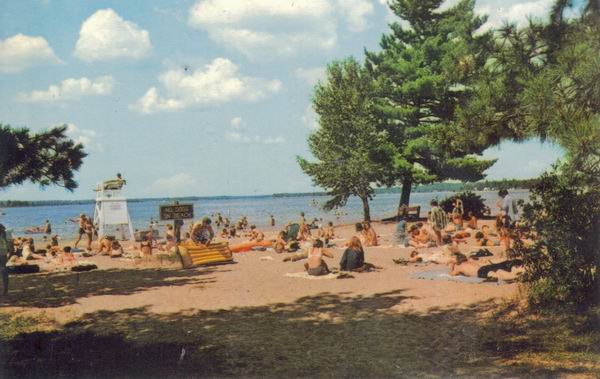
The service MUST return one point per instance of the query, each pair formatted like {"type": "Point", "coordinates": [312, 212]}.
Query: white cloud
{"type": "Point", "coordinates": [309, 118]}
{"type": "Point", "coordinates": [264, 28]}
{"type": "Point", "coordinates": [105, 36]}
{"type": "Point", "coordinates": [235, 136]}
{"type": "Point", "coordinates": [216, 83]}
{"type": "Point", "coordinates": [20, 52]}
{"type": "Point", "coordinates": [70, 90]}
{"type": "Point", "coordinates": [501, 11]}
{"type": "Point", "coordinates": [311, 75]}
{"type": "Point", "coordinates": [86, 137]}
{"type": "Point", "coordinates": [176, 185]}
{"type": "Point", "coordinates": [237, 123]}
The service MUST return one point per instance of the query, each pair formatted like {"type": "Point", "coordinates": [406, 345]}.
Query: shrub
{"type": "Point", "coordinates": [562, 219]}
{"type": "Point", "coordinates": [472, 202]}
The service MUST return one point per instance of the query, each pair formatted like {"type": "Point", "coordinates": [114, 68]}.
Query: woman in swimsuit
{"type": "Point", "coordinates": [316, 266]}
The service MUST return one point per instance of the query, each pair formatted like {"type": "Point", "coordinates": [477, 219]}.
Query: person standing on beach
{"type": "Point", "coordinates": [6, 250]}
{"type": "Point", "coordinates": [82, 220]}
{"type": "Point", "coordinates": [438, 221]}
{"type": "Point", "coordinates": [47, 228]}
{"type": "Point", "coordinates": [509, 213]}
{"type": "Point", "coordinates": [272, 220]}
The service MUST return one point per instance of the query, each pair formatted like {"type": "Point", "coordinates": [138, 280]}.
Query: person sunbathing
{"type": "Point", "coordinates": [370, 236]}
{"type": "Point", "coordinates": [358, 227]}
{"type": "Point", "coordinates": [225, 233]}
{"type": "Point", "coordinates": [481, 240]}
{"type": "Point", "coordinates": [353, 258]}
{"type": "Point", "coordinates": [316, 266]}
{"type": "Point", "coordinates": [460, 237]}
{"type": "Point", "coordinates": [67, 255]}
{"type": "Point", "coordinates": [472, 268]}
{"type": "Point", "coordinates": [304, 233]}
{"type": "Point", "coordinates": [419, 236]}
{"type": "Point", "coordinates": [329, 231]}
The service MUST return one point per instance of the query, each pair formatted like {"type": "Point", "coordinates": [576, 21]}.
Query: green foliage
{"type": "Point", "coordinates": [351, 154]}
{"type": "Point", "coordinates": [471, 203]}
{"type": "Point", "coordinates": [45, 158]}
{"type": "Point", "coordinates": [562, 219]}
{"type": "Point", "coordinates": [422, 75]}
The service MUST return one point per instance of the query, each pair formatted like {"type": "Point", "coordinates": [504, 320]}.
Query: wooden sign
{"type": "Point", "coordinates": [176, 212]}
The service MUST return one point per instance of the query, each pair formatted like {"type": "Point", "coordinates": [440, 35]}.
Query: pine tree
{"type": "Point", "coordinates": [46, 158]}
{"type": "Point", "coordinates": [423, 74]}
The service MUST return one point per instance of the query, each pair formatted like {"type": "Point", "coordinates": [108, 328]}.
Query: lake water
{"type": "Point", "coordinates": [257, 209]}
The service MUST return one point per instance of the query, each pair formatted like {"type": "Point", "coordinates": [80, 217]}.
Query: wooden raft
{"type": "Point", "coordinates": [216, 253]}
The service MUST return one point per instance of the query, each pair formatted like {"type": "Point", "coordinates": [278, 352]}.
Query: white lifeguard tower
{"type": "Point", "coordinates": [111, 208]}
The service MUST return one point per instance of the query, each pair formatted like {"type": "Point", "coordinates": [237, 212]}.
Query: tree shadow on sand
{"type": "Point", "coordinates": [58, 289]}
{"type": "Point", "coordinates": [322, 335]}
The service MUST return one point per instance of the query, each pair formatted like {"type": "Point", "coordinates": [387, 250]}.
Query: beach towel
{"type": "Point", "coordinates": [268, 258]}
{"type": "Point", "coordinates": [442, 274]}
{"type": "Point", "coordinates": [304, 275]}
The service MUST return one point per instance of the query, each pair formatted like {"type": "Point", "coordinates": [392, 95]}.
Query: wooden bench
{"type": "Point", "coordinates": [410, 213]}
{"type": "Point", "coordinates": [214, 254]}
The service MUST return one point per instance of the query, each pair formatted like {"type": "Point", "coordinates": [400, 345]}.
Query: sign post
{"type": "Point", "coordinates": [176, 213]}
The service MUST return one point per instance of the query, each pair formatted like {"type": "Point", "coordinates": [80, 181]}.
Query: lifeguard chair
{"type": "Point", "coordinates": [111, 208]}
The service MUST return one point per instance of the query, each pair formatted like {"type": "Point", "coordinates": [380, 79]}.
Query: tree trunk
{"type": "Point", "coordinates": [405, 196]}
{"type": "Point", "coordinates": [366, 209]}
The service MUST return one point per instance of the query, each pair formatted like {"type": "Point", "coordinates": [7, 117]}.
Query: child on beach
{"type": "Point", "coordinates": [256, 234]}
{"type": "Point", "coordinates": [280, 243]}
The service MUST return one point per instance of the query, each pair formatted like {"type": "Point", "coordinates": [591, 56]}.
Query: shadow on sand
{"type": "Point", "coordinates": [48, 290]}
{"type": "Point", "coordinates": [322, 335]}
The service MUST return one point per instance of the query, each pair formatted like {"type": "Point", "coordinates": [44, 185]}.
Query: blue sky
{"type": "Point", "coordinates": [196, 97]}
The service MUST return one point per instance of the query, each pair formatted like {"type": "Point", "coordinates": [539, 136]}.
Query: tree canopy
{"type": "Point", "coordinates": [351, 153]}
{"type": "Point", "coordinates": [48, 157]}
{"type": "Point", "coordinates": [422, 75]}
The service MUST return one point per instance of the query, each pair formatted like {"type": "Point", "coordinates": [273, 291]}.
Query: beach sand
{"type": "Point", "coordinates": [255, 279]}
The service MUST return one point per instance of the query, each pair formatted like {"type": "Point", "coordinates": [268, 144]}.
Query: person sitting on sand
{"type": "Point", "coordinates": [232, 232]}
{"type": "Point", "coordinates": [370, 235]}
{"type": "Point", "coordinates": [316, 266]}
{"type": "Point", "coordinates": [280, 243]}
{"type": "Point", "coordinates": [67, 255]}
{"type": "Point", "coordinates": [224, 233]}
{"type": "Point", "coordinates": [116, 249]}
{"type": "Point", "coordinates": [420, 236]}
{"type": "Point", "coordinates": [329, 231]}
{"type": "Point", "coordinates": [354, 256]}
{"type": "Point", "coordinates": [202, 232]}
{"type": "Point", "coordinates": [472, 221]}
{"type": "Point", "coordinates": [304, 232]}
{"type": "Point", "coordinates": [256, 234]}
{"type": "Point", "coordinates": [104, 246]}
{"type": "Point", "coordinates": [358, 228]}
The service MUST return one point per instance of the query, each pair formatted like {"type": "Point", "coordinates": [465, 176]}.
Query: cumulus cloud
{"type": "Point", "coordinates": [70, 90]}
{"type": "Point", "coordinates": [311, 75]}
{"type": "Point", "coordinates": [235, 134]}
{"type": "Point", "coordinates": [278, 27]}
{"type": "Point", "coordinates": [105, 36]}
{"type": "Point", "coordinates": [216, 83]}
{"type": "Point", "coordinates": [177, 185]}
{"type": "Point", "coordinates": [309, 118]}
{"type": "Point", "coordinates": [86, 137]}
{"type": "Point", "coordinates": [518, 12]}
{"type": "Point", "coordinates": [20, 52]}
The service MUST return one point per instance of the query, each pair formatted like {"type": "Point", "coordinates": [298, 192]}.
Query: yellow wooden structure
{"type": "Point", "coordinates": [215, 253]}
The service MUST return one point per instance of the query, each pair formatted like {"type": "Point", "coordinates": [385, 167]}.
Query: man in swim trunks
{"type": "Point", "coordinates": [82, 220]}
{"type": "Point", "coordinates": [438, 220]}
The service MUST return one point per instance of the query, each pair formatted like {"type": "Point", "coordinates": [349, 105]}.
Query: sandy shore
{"type": "Point", "coordinates": [259, 279]}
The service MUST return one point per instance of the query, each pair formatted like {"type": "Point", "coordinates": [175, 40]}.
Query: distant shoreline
{"type": "Point", "coordinates": [523, 184]}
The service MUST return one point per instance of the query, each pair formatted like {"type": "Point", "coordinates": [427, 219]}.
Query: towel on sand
{"type": "Point", "coordinates": [304, 275]}
{"type": "Point", "coordinates": [442, 274]}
